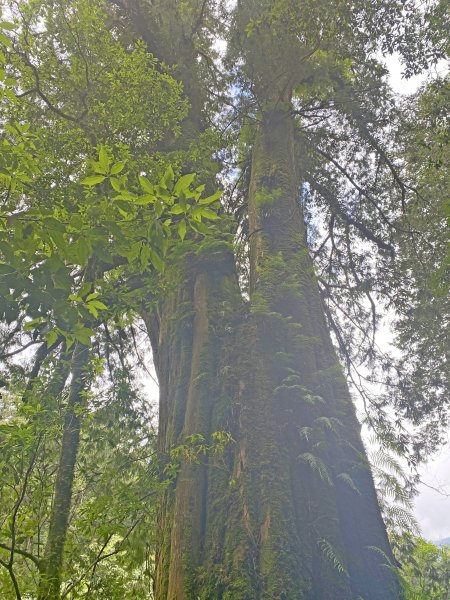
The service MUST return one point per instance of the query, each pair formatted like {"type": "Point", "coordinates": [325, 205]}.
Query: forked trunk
{"type": "Point", "coordinates": [289, 511]}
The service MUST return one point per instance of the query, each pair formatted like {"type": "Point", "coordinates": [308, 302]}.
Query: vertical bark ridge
{"type": "Point", "coordinates": [194, 332]}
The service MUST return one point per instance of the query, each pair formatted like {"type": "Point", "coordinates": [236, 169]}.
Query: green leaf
{"type": "Point", "coordinates": [99, 168]}
{"type": "Point", "coordinates": [8, 26]}
{"type": "Point", "coordinates": [79, 251]}
{"type": "Point", "coordinates": [209, 214]}
{"type": "Point", "coordinates": [93, 180]}
{"type": "Point", "coordinates": [54, 224]}
{"type": "Point", "coordinates": [124, 195]}
{"type": "Point", "coordinates": [158, 208]}
{"type": "Point", "coordinates": [199, 227]}
{"type": "Point", "coordinates": [134, 251]}
{"type": "Point", "coordinates": [157, 261]}
{"type": "Point", "coordinates": [210, 199]}
{"type": "Point", "coordinates": [85, 288]}
{"type": "Point", "coordinates": [92, 296]}
{"type": "Point", "coordinates": [145, 256]}
{"type": "Point", "coordinates": [69, 340]}
{"type": "Point", "coordinates": [181, 227]}
{"type": "Point", "coordinates": [146, 185]}
{"type": "Point", "coordinates": [83, 335]}
{"type": "Point", "coordinates": [168, 178]}
{"type": "Point", "coordinates": [103, 158]}
{"type": "Point", "coordinates": [51, 338]}
{"type": "Point", "coordinates": [144, 200]}
{"type": "Point", "coordinates": [177, 210]}
{"type": "Point", "coordinates": [98, 305]}
{"type": "Point", "coordinates": [32, 324]}
{"type": "Point", "coordinates": [116, 184]}
{"type": "Point", "coordinates": [92, 310]}
{"type": "Point", "coordinates": [184, 182]}
{"type": "Point", "coordinates": [124, 213]}
{"type": "Point", "coordinates": [316, 465]}
{"type": "Point", "coordinates": [118, 167]}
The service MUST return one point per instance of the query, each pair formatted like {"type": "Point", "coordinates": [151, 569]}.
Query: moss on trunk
{"type": "Point", "coordinates": [195, 330]}
{"type": "Point", "coordinates": [328, 516]}
{"type": "Point", "coordinates": [289, 511]}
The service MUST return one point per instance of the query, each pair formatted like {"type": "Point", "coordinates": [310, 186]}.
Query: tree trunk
{"type": "Point", "coordinates": [289, 511]}
{"type": "Point", "coordinates": [315, 509]}
{"type": "Point", "coordinates": [194, 339]}
{"type": "Point", "coordinates": [50, 574]}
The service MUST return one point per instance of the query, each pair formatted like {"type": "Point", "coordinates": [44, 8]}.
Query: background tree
{"type": "Point", "coordinates": [419, 379]}
{"type": "Point", "coordinates": [64, 246]}
{"type": "Point", "coordinates": [425, 568]}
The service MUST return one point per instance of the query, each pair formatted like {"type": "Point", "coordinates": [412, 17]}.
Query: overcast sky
{"type": "Point", "coordinates": [431, 507]}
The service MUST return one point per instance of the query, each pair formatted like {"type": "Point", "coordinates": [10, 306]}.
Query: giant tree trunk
{"type": "Point", "coordinates": [194, 338]}
{"type": "Point", "coordinates": [289, 511]}
{"type": "Point", "coordinates": [315, 511]}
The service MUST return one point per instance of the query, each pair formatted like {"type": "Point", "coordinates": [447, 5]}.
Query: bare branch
{"type": "Point", "coordinates": [28, 555]}
{"type": "Point", "coordinates": [335, 205]}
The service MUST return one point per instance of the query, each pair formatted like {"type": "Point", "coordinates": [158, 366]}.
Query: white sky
{"type": "Point", "coordinates": [431, 507]}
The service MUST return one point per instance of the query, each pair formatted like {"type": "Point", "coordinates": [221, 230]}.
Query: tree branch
{"type": "Point", "coordinates": [43, 96]}
{"type": "Point", "coordinates": [351, 179]}
{"type": "Point", "coordinates": [13, 578]}
{"type": "Point", "coordinates": [28, 555]}
{"type": "Point", "coordinates": [339, 210]}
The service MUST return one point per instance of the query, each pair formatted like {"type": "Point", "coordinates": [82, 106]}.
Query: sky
{"type": "Point", "coordinates": [431, 506]}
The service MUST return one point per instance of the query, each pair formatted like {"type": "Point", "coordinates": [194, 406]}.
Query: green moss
{"type": "Point", "coordinates": [267, 197]}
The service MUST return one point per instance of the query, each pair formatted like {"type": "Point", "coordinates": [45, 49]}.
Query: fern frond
{"type": "Point", "coordinates": [317, 465]}
{"type": "Point", "coordinates": [345, 477]}
{"type": "Point", "coordinates": [332, 555]}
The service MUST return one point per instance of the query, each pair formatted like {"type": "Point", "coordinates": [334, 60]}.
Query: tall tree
{"type": "Point", "coordinates": [296, 516]}
{"type": "Point", "coordinates": [242, 340]}
{"type": "Point", "coordinates": [65, 238]}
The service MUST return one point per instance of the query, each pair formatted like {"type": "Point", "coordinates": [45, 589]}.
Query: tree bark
{"type": "Point", "coordinates": [194, 337]}
{"type": "Point", "coordinates": [321, 531]}
{"type": "Point", "coordinates": [50, 574]}
{"type": "Point", "coordinates": [290, 510]}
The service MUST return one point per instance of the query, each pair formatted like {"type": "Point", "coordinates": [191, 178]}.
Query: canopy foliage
{"type": "Point", "coordinates": [112, 152]}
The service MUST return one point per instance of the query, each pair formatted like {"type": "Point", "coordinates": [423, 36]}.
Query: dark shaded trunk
{"type": "Point", "coordinates": [194, 337]}
{"type": "Point", "coordinates": [314, 509]}
{"type": "Point", "coordinates": [50, 574]}
{"type": "Point", "coordinates": [289, 511]}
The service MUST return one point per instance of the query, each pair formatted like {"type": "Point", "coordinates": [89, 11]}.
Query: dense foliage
{"type": "Point", "coordinates": [89, 204]}
{"type": "Point", "coordinates": [113, 136]}
{"type": "Point", "coordinates": [425, 568]}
